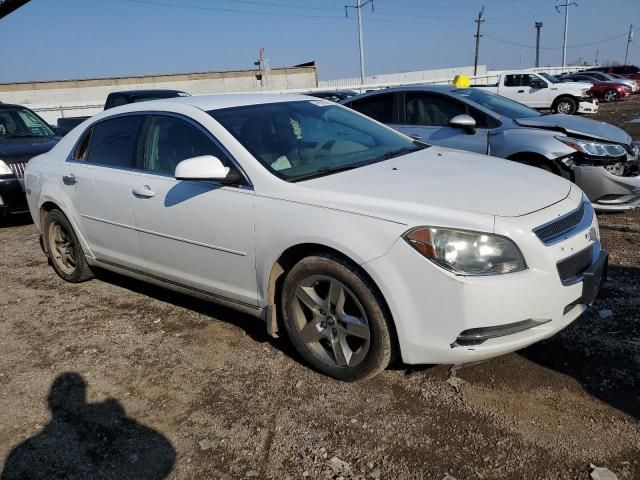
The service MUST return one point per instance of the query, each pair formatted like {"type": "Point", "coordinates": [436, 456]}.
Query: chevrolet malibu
{"type": "Point", "coordinates": [359, 242]}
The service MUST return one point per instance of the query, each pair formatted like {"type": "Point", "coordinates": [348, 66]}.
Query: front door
{"type": "Point", "coordinates": [97, 177]}
{"type": "Point", "coordinates": [427, 116]}
{"type": "Point", "coordinates": [194, 233]}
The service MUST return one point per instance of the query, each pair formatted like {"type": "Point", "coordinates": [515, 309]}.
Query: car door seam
{"type": "Point", "coordinates": [164, 235]}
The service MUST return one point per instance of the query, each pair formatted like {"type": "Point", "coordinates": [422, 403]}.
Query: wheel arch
{"type": "Point", "coordinates": [292, 255]}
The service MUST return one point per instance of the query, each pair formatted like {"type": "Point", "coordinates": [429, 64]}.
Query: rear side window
{"type": "Point", "coordinates": [82, 148]}
{"type": "Point", "coordinates": [426, 109]}
{"type": "Point", "coordinates": [113, 142]}
{"type": "Point", "coordinates": [115, 101]}
{"type": "Point", "coordinates": [169, 140]}
{"type": "Point", "coordinates": [378, 107]}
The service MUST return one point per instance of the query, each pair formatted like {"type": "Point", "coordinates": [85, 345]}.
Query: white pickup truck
{"type": "Point", "coordinates": [539, 90]}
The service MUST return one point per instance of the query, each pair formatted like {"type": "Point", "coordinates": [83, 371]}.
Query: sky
{"type": "Point", "coordinates": [75, 39]}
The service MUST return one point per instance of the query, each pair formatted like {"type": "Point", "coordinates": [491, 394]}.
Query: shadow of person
{"type": "Point", "coordinates": [89, 441]}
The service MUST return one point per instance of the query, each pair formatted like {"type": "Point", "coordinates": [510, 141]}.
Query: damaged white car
{"type": "Point", "coordinates": [360, 243]}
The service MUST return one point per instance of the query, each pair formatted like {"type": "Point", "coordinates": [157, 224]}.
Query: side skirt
{"type": "Point", "coordinates": [178, 287]}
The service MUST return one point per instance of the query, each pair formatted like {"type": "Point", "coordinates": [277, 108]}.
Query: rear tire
{"type": "Point", "coordinates": [63, 248]}
{"type": "Point", "coordinates": [611, 96]}
{"type": "Point", "coordinates": [335, 318]}
{"type": "Point", "coordinates": [566, 105]}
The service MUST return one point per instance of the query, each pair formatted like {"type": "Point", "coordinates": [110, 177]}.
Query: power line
{"type": "Point", "coordinates": [501, 40]}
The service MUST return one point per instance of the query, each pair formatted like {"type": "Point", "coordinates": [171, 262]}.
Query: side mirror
{"type": "Point", "coordinates": [205, 167]}
{"type": "Point", "coordinates": [466, 122]}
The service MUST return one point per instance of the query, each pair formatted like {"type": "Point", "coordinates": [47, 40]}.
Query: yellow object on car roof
{"type": "Point", "coordinates": [461, 81]}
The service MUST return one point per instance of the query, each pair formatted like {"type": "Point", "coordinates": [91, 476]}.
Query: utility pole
{"type": "Point", "coordinates": [477, 35]}
{"type": "Point", "coordinates": [597, 54]}
{"type": "Point", "coordinates": [566, 6]}
{"type": "Point", "coordinates": [538, 26]}
{"type": "Point", "coordinates": [358, 6]}
{"type": "Point", "coordinates": [626, 54]}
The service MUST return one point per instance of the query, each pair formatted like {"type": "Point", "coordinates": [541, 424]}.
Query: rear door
{"type": "Point", "coordinates": [194, 233]}
{"type": "Point", "coordinates": [427, 115]}
{"type": "Point", "coordinates": [96, 177]}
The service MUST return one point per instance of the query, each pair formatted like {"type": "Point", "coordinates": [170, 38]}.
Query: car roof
{"type": "Point", "coordinates": [12, 105]}
{"type": "Point", "coordinates": [142, 93]}
{"type": "Point", "coordinates": [407, 88]}
{"type": "Point", "coordinates": [217, 101]}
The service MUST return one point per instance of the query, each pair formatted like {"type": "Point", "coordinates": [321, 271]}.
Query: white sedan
{"type": "Point", "coordinates": [361, 243]}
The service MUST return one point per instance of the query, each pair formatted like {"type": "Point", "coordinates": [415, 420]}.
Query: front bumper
{"type": "Point", "coordinates": [588, 105]}
{"type": "Point", "coordinates": [12, 196]}
{"type": "Point", "coordinates": [608, 192]}
{"type": "Point", "coordinates": [433, 308]}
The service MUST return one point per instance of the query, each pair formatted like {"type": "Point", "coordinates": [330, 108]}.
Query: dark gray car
{"type": "Point", "coordinates": [600, 158]}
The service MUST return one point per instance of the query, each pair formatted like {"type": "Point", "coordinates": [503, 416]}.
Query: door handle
{"type": "Point", "coordinates": [69, 179]}
{"type": "Point", "coordinates": [144, 192]}
{"type": "Point", "coordinates": [520, 91]}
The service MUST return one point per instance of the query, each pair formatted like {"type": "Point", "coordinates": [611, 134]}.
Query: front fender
{"type": "Point", "coordinates": [507, 143]}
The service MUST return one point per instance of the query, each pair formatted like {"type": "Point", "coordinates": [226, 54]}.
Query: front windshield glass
{"type": "Point", "coordinates": [307, 139]}
{"type": "Point", "coordinates": [550, 77]}
{"type": "Point", "coordinates": [497, 103]}
{"type": "Point", "coordinates": [22, 123]}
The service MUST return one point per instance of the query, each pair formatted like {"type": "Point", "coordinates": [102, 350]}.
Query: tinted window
{"type": "Point", "coordinates": [81, 150]}
{"type": "Point", "coordinates": [378, 107]}
{"type": "Point", "coordinates": [522, 80]}
{"type": "Point", "coordinates": [429, 109]}
{"type": "Point", "coordinates": [497, 103]}
{"type": "Point", "coordinates": [169, 140]}
{"type": "Point", "coordinates": [115, 101]}
{"type": "Point", "coordinates": [20, 122]}
{"type": "Point", "coordinates": [113, 141]}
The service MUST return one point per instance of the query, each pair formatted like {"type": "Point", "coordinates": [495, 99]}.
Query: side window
{"type": "Point", "coordinates": [378, 107]}
{"type": "Point", "coordinates": [113, 141]}
{"type": "Point", "coordinates": [81, 150]}
{"type": "Point", "coordinates": [33, 124]}
{"type": "Point", "coordinates": [431, 110]}
{"type": "Point", "coordinates": [169, 140]}
{"type": "Point", "coordinates": [532, 80]}
{"type": "Point", "coordinates": [512, 80]}
{"type": "Point", "coordinates": [115, 101]}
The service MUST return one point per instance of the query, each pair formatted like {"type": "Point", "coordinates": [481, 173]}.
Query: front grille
{"type": "Point", "coordinates": [570, 269]}
{"type": "Point", "coordinates": [547, 233]}
{"type": "Point", "coordinates": [17, 168]}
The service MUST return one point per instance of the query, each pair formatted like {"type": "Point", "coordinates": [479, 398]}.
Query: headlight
{"type": "Point", "coordinates": [467, 253]}
{"type": "Point", "coordinates": [594, 149]}
{"type": "Point", "coordinates": [4, 169]}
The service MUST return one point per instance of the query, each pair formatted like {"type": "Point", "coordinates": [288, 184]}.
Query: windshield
{"type": "Point", "coordinates": [496, 103]}
{"type": "Point", "coordinates": [550, 77]}
{"type": "Point", "coordinates": [22, 123]}
{"type": "Point", "coordinates": [307, 139]}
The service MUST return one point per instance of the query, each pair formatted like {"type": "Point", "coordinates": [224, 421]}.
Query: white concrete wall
{"type": "Point", "coordinates": [86, 97]}
{"type": "Point", "coordinates": [430, 76]}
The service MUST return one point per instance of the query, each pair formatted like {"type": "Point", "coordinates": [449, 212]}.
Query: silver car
{"type": "Point", "coordinates": [600, 158]}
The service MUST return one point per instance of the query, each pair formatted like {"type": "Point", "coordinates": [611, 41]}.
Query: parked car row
{"type": "Point", "coordinates": [359, 242]}
{"type": "Point", "coordinates": [600, 158]}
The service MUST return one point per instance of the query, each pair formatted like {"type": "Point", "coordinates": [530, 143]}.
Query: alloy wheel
{"type": "Point", "coordinates": [565, 107]}
{"type": "Point", "coordinates": [331, 321]}
{"type": "Point", "coordinates": [63, 251]}
{"type": "Point", "coordinates": [610, 96]}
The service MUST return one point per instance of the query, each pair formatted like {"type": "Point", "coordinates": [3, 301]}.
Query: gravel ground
{"type": "Point", "coordinates": [184, 389]}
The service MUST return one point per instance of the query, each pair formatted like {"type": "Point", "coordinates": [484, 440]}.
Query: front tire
{"type": "Point", "coordinates": [335, 318]}
{"type": "Point", "coordinates": [566, 105]}
{"type": "Point", "coordinates": [63, 248]}
{"type": "Point", "coordinates": [611, 96]}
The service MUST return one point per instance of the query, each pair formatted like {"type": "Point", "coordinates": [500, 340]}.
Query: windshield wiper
{"type": "Point", "coordinates": [401, 151]}
{"type": "Point", "coordinates": [324, 171]}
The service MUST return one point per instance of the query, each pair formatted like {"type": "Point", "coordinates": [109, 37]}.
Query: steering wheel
{"type": "Point", "coordinates": [321, 146]}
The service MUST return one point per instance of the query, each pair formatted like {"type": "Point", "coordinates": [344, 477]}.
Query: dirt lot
{"type": "Point", "coordinates": [186, 389]}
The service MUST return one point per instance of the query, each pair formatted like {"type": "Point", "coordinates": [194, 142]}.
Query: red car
{"type": "Point", "coordinates": [629, 71]}
{"type": "Point", "coordinates": [607, 91]}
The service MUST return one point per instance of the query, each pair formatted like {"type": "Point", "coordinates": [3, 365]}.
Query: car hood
{"type": "Point", "coordinates": [573, 125]}
{"type": "Point", "coordinates": [21, 148]}
{"type": "Point", "coordinates": [437, 179]}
